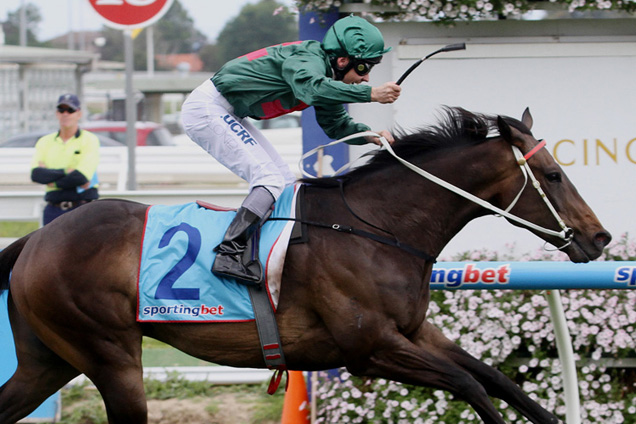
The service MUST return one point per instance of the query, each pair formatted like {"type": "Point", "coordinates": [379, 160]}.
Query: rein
{"type": "Point", "coordinates": [355, 231]}
{"type": "Point", "coordinates": [566, 234]}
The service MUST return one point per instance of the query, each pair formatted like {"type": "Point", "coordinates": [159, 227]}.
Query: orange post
{"type": "Point", "coordinates": [296, 405]}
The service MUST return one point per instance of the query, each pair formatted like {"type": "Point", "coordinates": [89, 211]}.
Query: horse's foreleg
{"type": "Point", "coordinates": [496, 383]}
{"type": "Point", "coordinates": [402, 361]}
{"type": "Point", "coordinates": [40, 373]}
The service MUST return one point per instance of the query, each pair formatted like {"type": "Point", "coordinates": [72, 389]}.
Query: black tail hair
{"type": "Point", "coordinates": [8, 257]}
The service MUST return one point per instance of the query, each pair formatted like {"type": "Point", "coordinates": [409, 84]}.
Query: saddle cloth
{"type": "Point", "coordinates": [175, 283]}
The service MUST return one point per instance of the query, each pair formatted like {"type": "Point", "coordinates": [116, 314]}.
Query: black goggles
{"type": "Point", "coordinates": [363, 67]}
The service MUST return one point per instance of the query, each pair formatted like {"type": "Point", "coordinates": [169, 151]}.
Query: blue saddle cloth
{"type": "Point", "coordinates": [175, 283]}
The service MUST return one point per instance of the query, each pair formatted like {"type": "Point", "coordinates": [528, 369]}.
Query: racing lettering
{"type": "Point", "coordinates": [244, 135]}
{"type": "Point", "coordinates": [470, 274]}
{"type": "Point", "coordinates": [626, 274]}
{"type": "Point", "coordinates": [212, 310]}
{"type": "Point", "coordinates": [165, 289]}
{"type": "Point", "coordinates": [183, 310]}
{"type": "Point", "coordinates": [238, 129]}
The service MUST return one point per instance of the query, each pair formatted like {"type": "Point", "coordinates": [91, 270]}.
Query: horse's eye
{"type": "Point", "coordinates": [554, 177]}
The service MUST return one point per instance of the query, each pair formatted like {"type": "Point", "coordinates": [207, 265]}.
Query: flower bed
{"type": "Point", "coordinates": [466, 10]}
{"type": "Point", "coordinates": [512, 331]}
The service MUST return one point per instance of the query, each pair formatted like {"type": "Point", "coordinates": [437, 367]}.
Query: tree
{"type": "Point", "coordinates": [257, 25]}
{"type": "Point", "coordinates": [173, 33]}
{"type": "Point", "coordinates": [209, 54]}
{"type": "Point", "coordinates": [11, 27]}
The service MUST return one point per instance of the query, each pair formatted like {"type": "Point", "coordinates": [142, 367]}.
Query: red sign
{"type": "Point", "coordinates": [130, 14]}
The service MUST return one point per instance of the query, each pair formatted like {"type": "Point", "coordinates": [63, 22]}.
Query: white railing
{"type": "Point", "coordinates": [154, 166]}
{"type": "Point", "coordinates": [164, 175]}
{"type": "Point", "coordinates": [28, 205]}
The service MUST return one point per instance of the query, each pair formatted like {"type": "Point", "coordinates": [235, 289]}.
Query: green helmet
{"type": "Point", "coordinates": [354, 37]}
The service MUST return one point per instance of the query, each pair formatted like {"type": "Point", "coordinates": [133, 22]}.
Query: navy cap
{"type": "Point", "coordinates": [69, 100]}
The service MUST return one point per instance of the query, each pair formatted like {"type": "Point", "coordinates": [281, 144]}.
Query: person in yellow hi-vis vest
{"type": "Point", "coordinates": [66, 161]}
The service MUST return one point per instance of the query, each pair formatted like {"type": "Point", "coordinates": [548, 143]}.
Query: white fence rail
{"type": "Point", "coordinates": [28, 205]}
{"type": "Point", "coordinates": [155, 166]}
{"type": "Point", "coordinates": [214, 374]}
{"type": "Point", "coordinates": [164, 175]}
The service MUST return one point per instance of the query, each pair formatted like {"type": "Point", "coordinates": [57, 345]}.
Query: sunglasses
{"type": "Point", "coordinates": [63, 109]}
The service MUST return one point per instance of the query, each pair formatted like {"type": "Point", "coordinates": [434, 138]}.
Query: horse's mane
{"type": "Point", "coordinates": [456, 127]}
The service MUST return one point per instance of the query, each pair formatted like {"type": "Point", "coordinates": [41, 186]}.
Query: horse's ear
{"type": "Point", "coordinates": [526, 118]}
{"type": "Point", "coordinates": [504, 129]}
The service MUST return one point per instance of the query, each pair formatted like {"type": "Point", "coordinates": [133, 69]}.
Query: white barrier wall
{"type": "Point", "coordinates": [576, 76]}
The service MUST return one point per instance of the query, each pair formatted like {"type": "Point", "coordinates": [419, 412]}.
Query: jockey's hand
{"type": "Point", "coordinates": [383, 133]}
{"type": "Point", "coordinates": [386, 93]}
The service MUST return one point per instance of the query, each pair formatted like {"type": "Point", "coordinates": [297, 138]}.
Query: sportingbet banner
{"type": "Point", "coordinates": [533, 275]}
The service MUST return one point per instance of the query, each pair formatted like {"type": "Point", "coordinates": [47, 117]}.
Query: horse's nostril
{"type": "Point", "coordinates": [602, 238]}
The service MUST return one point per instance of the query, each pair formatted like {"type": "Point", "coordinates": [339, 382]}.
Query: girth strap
{"type": "Point", "coordinates": [268, 334]}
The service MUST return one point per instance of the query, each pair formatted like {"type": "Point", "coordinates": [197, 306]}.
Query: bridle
{"type": "Point", "coordinates": [566, 234]}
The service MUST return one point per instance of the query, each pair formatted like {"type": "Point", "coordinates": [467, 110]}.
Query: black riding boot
{"type": "Point", "coordinates": [232, 259]}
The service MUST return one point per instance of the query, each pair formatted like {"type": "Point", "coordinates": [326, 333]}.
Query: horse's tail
{"type": "Point", "coordinates": [8, 256]}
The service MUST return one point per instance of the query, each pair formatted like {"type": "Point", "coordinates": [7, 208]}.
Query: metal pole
{"type": "Point", "coordinates": [566, 356]}
{"type": "Point", "coordinates": [23, 97]}
{"type": "Point", "coordinates": [23, 24]}
{"type": "Point", "coordinates": [314, 397]}
{"type": "Point", "coordinates": [150, 50]}
{"type": "Point", "coordinates": [70, 39]}
{"type": "Point", "coordinates": [131, 111]}
{"type": "Point", "coordinates": [82, 29]}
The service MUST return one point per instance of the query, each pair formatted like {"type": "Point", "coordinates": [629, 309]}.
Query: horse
{"type": "Point", "coordinates": [346, 300]}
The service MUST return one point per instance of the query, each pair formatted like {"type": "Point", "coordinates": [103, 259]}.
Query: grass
{"type": "Point", "coordinates": [159, 354]}
{"type": "Point", "coordinates": [83, 404]}
{"type": "Point", "coordinates": [17, 229]}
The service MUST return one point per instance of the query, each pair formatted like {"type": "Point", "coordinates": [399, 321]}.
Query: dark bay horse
{"type": "Point", "coordinates": [345, 300]}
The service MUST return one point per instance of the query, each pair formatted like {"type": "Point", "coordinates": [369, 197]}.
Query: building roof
{"type": "Point", "coordinates": [159, 82]}
{"type": "Point", "coordinates": [30, 55]}
{"type": "Point", "coordinates": [173, 61]}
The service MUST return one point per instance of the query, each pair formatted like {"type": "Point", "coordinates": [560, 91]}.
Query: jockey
{"type": "Point", "coordinates": [268, 83]}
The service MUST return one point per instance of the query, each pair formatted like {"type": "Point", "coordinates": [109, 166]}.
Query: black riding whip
{"type": "Point", "coordinates": [449, 48]}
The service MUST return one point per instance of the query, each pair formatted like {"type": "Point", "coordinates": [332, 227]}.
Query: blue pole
{"type": "Point", "coordinates": [313, 26]}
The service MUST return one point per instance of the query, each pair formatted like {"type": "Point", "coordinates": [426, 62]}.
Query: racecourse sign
{"type": "Point", "coordinates": [130, 14]}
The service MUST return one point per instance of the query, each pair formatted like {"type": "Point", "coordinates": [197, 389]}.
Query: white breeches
{"type": "Point", "coordinates": [209, 120]}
